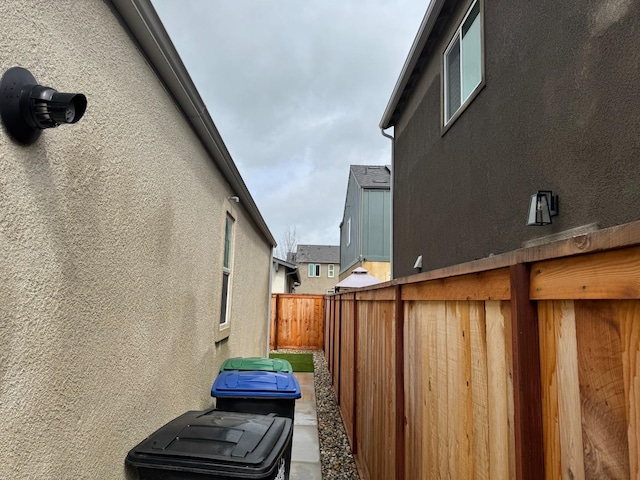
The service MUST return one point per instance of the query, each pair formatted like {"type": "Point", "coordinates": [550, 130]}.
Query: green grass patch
{"type": "Point", "coordinates": [300, 362]}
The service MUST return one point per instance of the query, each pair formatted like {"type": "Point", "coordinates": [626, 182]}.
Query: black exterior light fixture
{"type": "Point", "coordinates": [542, 207]}
{"type": "Point", "coordinates": [27, 108]}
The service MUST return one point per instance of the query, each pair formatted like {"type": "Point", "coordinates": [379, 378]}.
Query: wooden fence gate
{"type": "Point", "coordinates": [297, 322]}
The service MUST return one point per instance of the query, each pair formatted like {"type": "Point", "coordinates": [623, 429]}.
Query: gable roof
{"type": "Point", "coordinates": [372, 176]}
{"type": "Point", "coordinates": [415, 63]}
{"type": "Point", "coordinates": [318, 254]}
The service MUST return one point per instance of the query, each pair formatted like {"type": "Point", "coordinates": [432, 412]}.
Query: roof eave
{"type": "Point", "coordinates": [147, 29]}
{"type": "Point", "coordinates": [426, 27]}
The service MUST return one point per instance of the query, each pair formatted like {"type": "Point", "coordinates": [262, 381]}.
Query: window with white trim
{"type": "Point", "coordinates": [330, 270]}
{"type": "Point", "coordinates": [314, 270]}
{"type": "Point", "coordinates": [463, 63]}
{"type": "Point", "coordinates": [348, 231]}
{"type": "Point", "coordinates": [226, 270]}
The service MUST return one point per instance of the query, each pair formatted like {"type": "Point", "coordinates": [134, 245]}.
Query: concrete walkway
{"type": "Point", "coordinates": [305, 455]}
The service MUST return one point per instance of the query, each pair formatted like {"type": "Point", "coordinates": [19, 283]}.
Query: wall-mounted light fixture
{"type": "Point", "coordinates": [542, 207]}
{"type": "Point", "coordinates": [27, 108]}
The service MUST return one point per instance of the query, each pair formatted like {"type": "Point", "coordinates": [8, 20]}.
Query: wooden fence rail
{"type": "Point", "coordinates": [524, 365]}
{"type": "Point", "coordinates": [297, 322]}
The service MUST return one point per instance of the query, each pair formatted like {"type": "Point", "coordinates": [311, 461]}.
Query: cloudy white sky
{"type": "Point", "coordinates": [297, 89]}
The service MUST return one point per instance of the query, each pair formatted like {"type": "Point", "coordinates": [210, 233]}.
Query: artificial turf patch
{"type": "Point", "coordinates": [300, 362]}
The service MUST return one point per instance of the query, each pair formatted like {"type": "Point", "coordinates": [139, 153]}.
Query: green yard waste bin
{"type": "Point", "coordinates": [257, 364]}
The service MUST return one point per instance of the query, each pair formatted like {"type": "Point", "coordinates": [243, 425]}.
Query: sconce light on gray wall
{"type": "Point", "coordinates": [27, 108]}
{"type": "Point", "coordinates": [542, 207]}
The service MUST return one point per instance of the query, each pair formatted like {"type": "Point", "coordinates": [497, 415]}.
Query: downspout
{"type": "Point", "coordinates": [269, 306]}
{"type": "Point", "coordinates": [393, 170]}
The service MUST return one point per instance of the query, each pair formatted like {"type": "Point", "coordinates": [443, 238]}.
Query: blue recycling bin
{"type": "Point", "coordinates": [258, 392]}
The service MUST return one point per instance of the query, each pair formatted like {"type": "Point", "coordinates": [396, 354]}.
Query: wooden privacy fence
{"type": "Point", "coordinates": [296, 322]}
{"type": "Point", "coordinates": [524, 365]}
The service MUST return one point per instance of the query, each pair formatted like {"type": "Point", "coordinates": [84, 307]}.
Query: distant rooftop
{"type": "Point", "coordinates": [372, 176]}
{"type": "Point", "coordinates": [318, 254]}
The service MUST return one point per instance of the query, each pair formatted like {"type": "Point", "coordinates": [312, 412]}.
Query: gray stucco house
{"type": "Point", "coordinates": [365, 230]}
{"type": "Point", "coordinates": [498, 100]}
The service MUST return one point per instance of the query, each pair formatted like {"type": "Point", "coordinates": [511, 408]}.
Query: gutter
{"type": "Point", "coordinates": [147, 29]}
{"type": "Point", "coordinates": [426, 27]}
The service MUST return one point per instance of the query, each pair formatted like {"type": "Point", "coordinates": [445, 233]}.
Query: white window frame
{"type": "Point", "coordinates": [314, 270]}
{"type": "Point", "coordinates": [227, 273]}
{"type": "Point", "coordinates": [348, 231]}
{"type": "Point", "coordinates": [448, 116]}
{"type": "Point", "coordinates": [331, 270]}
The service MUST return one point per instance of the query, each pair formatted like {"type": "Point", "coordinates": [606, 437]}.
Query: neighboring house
{"type": "Point", "coordinates": [500, 99]}
{"type": "Point", "coordinates": [128, 272]}
{"type": "Point", "coordinates": [318, 266]}
{"type": "Point", "coordinates": [285, 277]}
{"type": "Point", "coordinates": [365, 230]}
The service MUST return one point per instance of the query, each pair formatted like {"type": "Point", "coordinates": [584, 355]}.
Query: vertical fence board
{"type": "Point", "coordinates": [499, 416]}
{"type": "Point", "coordinates": [413, 364]}
{"type": "Point", "coordinates": [569, 411]}
{"type": "Point", "coordinates": [549, 381]}
{"type": "Point", "coordinates": [443, 392]}
{"type": "Point", "coordinates": [602, 396]}
{"type": "Point", "coordinates": [460, 415]}
{"type": "Point", "coordinates": [630, 334]}
{"type": "Point", "coordinates": [479, 391]}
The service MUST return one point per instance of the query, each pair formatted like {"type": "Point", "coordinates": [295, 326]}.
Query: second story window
{"type": "Point", "coordinates": [463, 63]}
{"type": "Point", "coordinates": [314, 269]}
{"type": "Point", "coordinates": [330, 270]}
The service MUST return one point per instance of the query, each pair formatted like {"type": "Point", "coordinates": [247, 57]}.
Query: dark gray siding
{"type": "Point", "coordinates": [376, 234]}
{"type": "Point", "coordinates": [560, 110]}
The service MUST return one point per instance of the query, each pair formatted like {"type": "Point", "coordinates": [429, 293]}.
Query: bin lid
{"type": "Point", "coordinates": [256, 385]}
{"type": "Point", "coordinates": [256, 364]}
{"type": "Point", "coordinates": [216, 442]}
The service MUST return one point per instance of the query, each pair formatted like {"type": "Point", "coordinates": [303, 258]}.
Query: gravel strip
{"type": "Point", "coordinates": [335, 452]}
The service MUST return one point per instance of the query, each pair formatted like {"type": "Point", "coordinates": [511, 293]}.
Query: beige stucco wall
{"type": "Point", "coordinates": [111, 236]}
{"type": "Point", "coordinates": [317, 285]}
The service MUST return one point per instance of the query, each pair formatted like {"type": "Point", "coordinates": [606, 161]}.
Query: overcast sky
{"type": "Point", "coordinates": [296, 89]}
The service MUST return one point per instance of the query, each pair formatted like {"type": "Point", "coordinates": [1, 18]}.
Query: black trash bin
{"type": "Point", "coordinates": [258, 392]}
{"type": "Point", "coordinates": [215, 445]}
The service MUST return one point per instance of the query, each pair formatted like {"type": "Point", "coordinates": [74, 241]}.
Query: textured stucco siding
{"type": "Point", "coordinates": [111, 237]}
{"type": "Point", "coordinates": [317, 285]}
{"type": "Point", "coordinates": [560, 110]}
{"type": "Point", "coordinates": [279, 281]}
